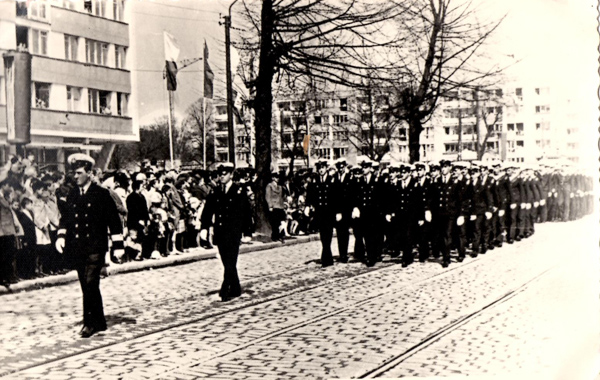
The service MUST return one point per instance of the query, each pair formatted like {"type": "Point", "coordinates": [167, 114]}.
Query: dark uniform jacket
{"type": "Point", "coordinates": [322, 195]}
{"type": "Point", "coordinates": [451, 198]}
{"type": "Point", "coordinates": [230, 211]}
{"type": "Point", "coordinates": [503, 192]}
{"type": "Point", "coordinates": [344, 181]}
{"type": "Point", "coordinates": [366, 196]}
{"type": "Point", "coordinates": [86, 222]}
{"type": "Point", "coordinates": [402, 199]}
{"type": "Point", "coordinates": [422, 198]}
{"type": "Point", "coordinates": [481, 197]}
{"type": "Point", "coordinates": [516, 189]}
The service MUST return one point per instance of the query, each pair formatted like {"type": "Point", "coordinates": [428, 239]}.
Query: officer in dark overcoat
{"type": "Point", "coordinates": [342, 227]}
{"type": "Point", "coordinates": [89, 214]}
{"type": "Point", "coordinates": [448, 209]}
{"type": "Point", "coordinates": [366, 214]}
{"type": "Point", "coordinates": [481, 210]}
{"type": "Point", "coordinates": [227, 210]}
{"type": "Point", "coordinates": [400, 212]}
{"type": "Point", "coordinates": [321, 197]}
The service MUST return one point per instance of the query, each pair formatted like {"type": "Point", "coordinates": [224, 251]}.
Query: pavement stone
{"type": "Point", "coordinates": [346, 320]}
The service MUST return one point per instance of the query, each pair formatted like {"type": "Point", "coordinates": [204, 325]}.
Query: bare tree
{"type": "Point", "coordinates": [197, 124]}
{"type": "Point", "coordinates": [301, 40]}
{"type": "Point", "coordinates": [443, 52]}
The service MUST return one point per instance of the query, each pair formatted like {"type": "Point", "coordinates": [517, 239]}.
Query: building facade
{"type": "Point", "coordinates": [514, 123]}
{"type": "Point", "coordinates": [81, 82]}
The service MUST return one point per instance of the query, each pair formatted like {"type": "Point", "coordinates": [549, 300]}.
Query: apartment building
{"type": "Point", "coordinates": [81, 82]}
{"type": "Point", "coordinates": [525, 124]}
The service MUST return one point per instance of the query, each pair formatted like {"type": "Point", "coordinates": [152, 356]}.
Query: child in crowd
{"type": "Point", "coordinates": [133, 246]}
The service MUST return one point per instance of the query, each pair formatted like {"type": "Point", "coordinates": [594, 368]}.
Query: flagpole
{"type": "Point", "coordinates": [204, 132]}
{"type": "Point", "coordinates": [171, 127]}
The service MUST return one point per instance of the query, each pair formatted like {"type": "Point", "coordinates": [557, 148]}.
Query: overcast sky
{"type": "Point", "coordinates": [555, 41]}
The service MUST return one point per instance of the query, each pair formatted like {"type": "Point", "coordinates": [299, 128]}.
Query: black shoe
{"type": "Point", "coordinates": [445, 264]}
{"type": "Point", "coordinates": [343, 259]}
{"type": "Point", "coordinates": [460, 259]}
{"type": "Point", "coordinates": [327, 264]}
{"type": "Point", "coordinates": [474, 254]}
{"type": "Point", "coordinates": [88, 331]}
{"type": "Point", "coordinates": [510, 241]}
{"type": "Point", "coordinates": [491, 247]}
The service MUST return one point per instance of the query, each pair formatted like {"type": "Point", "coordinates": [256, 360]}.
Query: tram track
{"type": "Point", "coordinates": [247, 305]}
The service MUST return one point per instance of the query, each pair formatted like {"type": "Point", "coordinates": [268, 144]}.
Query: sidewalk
{"type": "Point", "coordinates": [196, 254]}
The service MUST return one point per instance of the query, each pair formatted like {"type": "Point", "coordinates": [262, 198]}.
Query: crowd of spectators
{"type": "Point", "coordinates": [160, 211]}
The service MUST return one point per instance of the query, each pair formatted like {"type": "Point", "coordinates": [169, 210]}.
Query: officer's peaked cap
{"type": "Point", "coordinates": [227, 167]}
{"type": "Point", "coordinates": [80, 159]}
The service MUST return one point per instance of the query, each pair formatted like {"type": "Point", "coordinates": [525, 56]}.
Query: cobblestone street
{"type": "Point", "coordinates": [527, 309]}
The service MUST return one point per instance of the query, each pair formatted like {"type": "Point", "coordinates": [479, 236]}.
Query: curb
{"type": "Point", "coordinates": [136, 266]}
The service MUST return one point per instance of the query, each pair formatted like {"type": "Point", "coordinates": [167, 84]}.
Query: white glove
{"type": "Point", "coordinates": [203, 234]}
{"type": "Point", "coordinates": [460, 221]}
{"type": "Point", "coordinates": [528, 206]}
{"type": "Point", "coordinates": [473, 217]}
{"type": "Point", "coordinates": [542, 202]}
{"type": "Point", "coordinates": [536, 204]}
{"type": "Point", "coordinates": [307, 211]}
{"type": "Point", "coordinates": [428, 216]}
{"type": "Point", "coordinates": [523, 206]}
{"type": "Point", "coordinates": [571, 195]}
{"type": "Point", "coordinates": [550, 194]}
{"type": "Point", "coordinates": [355, 213]}
{"type": "Point", "coordinates": [60, 245]}
{"type": "Point", "coordinates": [513, 206]}
{"type": "Point", "coordinates": [338, 217]}
{"type": "Point", "coordinates": [554, 190]}
{"type": "Point", "coordinates": [388, 217]}
{"type": "Point", "coordinates": [495, 208]}
{"type": "Point", "coordinates": [421, 222]}
{"type": "Point", "coordinates": [501, 213]}
{"type": "Point", "coordinates": [119, 253]}
{"type": "Point", "coordinates": [555, 195]}
{"type": "Point", "coordinates": [488, 215]}
{"type": "Point", "coordinates": [246, 239]}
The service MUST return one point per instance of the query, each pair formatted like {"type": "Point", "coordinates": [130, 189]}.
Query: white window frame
{"type": "Point", "coordinates": [120, 57]}
{"type": "Point", "coordinates": [118, 10]}
{"type": "Point", "coordinates": [122, 104]}
{"type": "Point", "coordinates": [38, 41]}
{"type": "Point", "coordinates": [39, 102]}
{"type": "Point", "coordinates": [37, 10]}
{"type": "Point", "coordinates": [99, 55]}
{"type": "Point", "coordinates": [71, 47]}
{"type": "Point", "coordinates": [93, 101]}
{"type": "Point", "coordinates": [73, 99]}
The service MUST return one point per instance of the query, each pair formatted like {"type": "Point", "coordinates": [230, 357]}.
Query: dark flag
{"type": "Point", "coordinates": [208, 75]}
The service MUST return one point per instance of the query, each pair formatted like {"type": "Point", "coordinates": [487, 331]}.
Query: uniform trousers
{"type": "Point", "coordinates": [479, 233]}
{"type": "Point", "coordinates": [342, 229]}
{"type": "Point", "coordinates": [552, 208]}
{"type": "Point", "coordinates": [403, 235]}
{"type": "Point", "coordinates": [326, 222]}
{"type": "Point", "coordinates": [93, 310]}
{"type": "Point", "coordinates": [368, 237]}
{"type": "Point", "coordinates": [229, 248]}
{"type": "Point", "coordinates": [445, 229]}
{"type": "Point", "coordinates": [423, 236]}
{"type": "Point", "coordinates": [543, 212]}
{"type": "Point", "coordinates": [498, 228]}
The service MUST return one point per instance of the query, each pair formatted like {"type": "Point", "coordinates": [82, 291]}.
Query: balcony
{"type": "Point", "coordinates": [46, 122]}
{"type": "Point", "coordinates": [89, 26]}
{"type": "Point", "coordinates": [78, 74]}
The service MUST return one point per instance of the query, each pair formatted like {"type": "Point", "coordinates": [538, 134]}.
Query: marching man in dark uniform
{"type": "Point", "coordinates": [401, 215]}
{"type": "Point", "coordinates": [227, 209]}
{"type": "Point", "coordinates": [342, 227]}
{"type": "Point", "coordinates": [89, 213]}
{"type": "Point", "coordinates": [321, 196]}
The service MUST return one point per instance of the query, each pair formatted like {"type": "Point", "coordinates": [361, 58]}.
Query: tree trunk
{"type": "Point", "coordinates": [262, 109]}
{"type": "Point", "coordinates": [415, 127]}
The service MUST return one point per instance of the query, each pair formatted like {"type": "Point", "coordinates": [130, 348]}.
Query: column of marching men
{"type": "Point", "coordinates": [434, 209]}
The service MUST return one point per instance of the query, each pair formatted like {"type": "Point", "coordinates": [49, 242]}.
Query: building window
{"type": "Point", "coordinates": [118, 9]}
{"type": "Point", "coordinates": [73, 98]}
{"type": "Point", "coordinates": [519, 91]}
{"type": "Point", "coordinates": [39, 42]}
{"type": "Point", "coordinates": [71, 44]}
{"type": "Point", "coordinates": [337, 119]}
{"type": "Point", "coordinates": [122, 104]}
{"type": "Point", "coordinates": [105, 102]}
{"type": "Point", "coordinates": [69, 4]}
{"type": "Point", "coordinates": [21, 8]}
{"type": "Point", "coordinates": [284, 106]}
{"type": "Point", "coordinates": [323, 153]}
{"type": "Point", "coordinates": [510, 127]}
{"type": "Point", "coordinates": [120, 56]}
{"type": "Point", "coordinates": [87, 5]}
{"type": "Point", "coordinates": [42, 95]}
{"type": "Point", "coordinates": [37, 9]}
{"type": "Point", "coordinates": [519, 128]}
{"type": "Point", "coordinates": [93, 97]}
{"type": "Point", "coordinates": [96, 52]}
{"type": "Point", "coordinates": [339, 152]}
{"type": "Point", "coordinates": [100, 8]}
{"type": "Point", "coordinates": [22, 38]}
{"type": "Point", "coordinates": [343, 104]}
{"type": "Point", "coordinates": [318, 120]}
{"type": "Point", "coordinates": [520, 144]}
